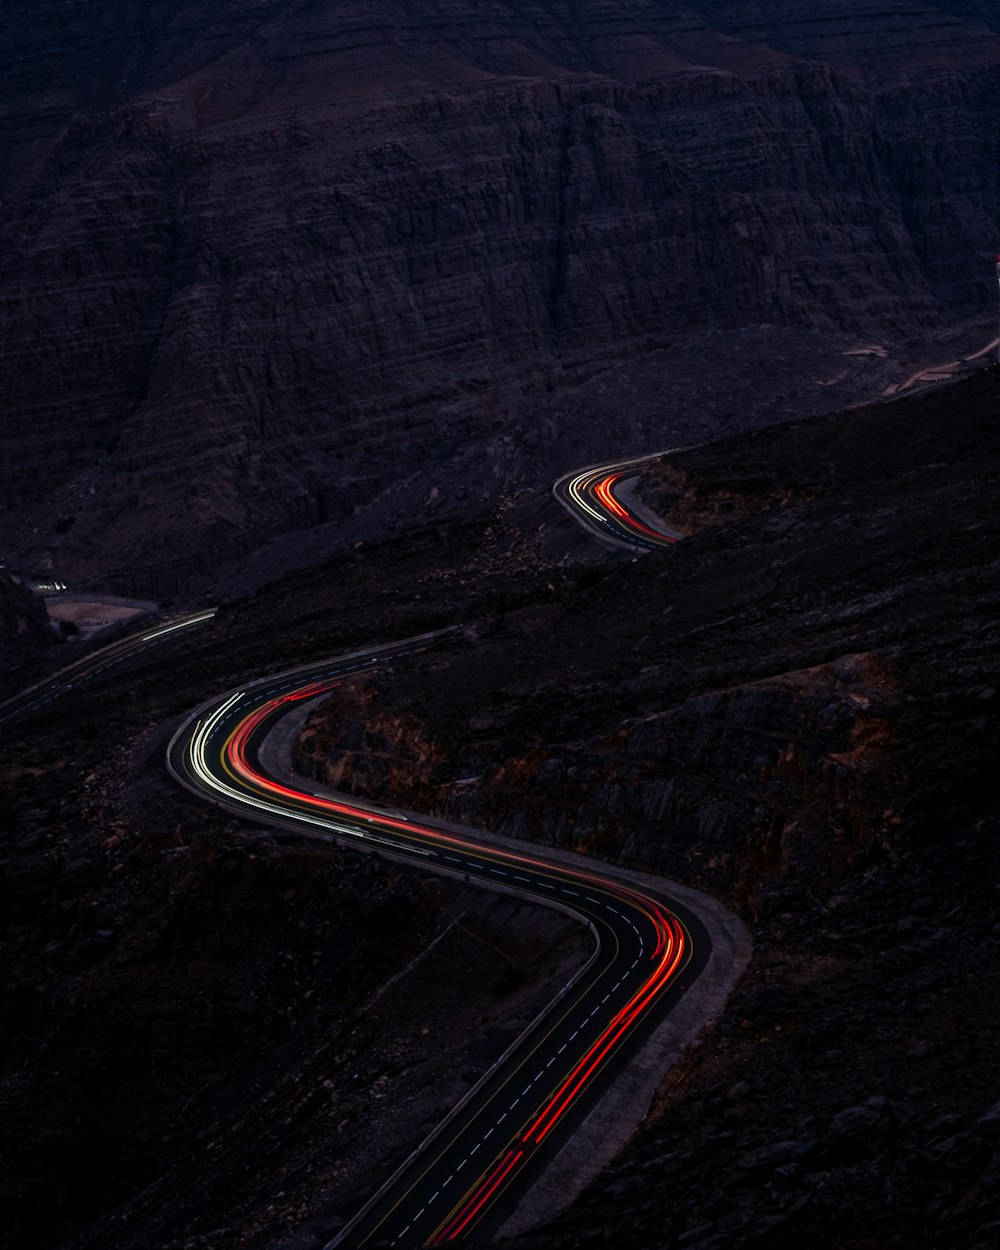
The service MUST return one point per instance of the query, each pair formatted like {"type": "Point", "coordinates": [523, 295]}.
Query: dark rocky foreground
{"type": "Point", "coordinates": [278, 267]}
{"type": "Point", "coordinates": [215, 1037]}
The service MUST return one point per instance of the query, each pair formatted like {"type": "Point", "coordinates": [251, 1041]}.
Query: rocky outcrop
{"type": "Point", "coordinates": [275, 267]}
{"type": "Point", "coordinates": [24, 626]}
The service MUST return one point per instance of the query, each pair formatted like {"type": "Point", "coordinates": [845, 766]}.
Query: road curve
{"type": "Point", "coordinates": [594, 497]}
{"type": "Point", "coordinates": [463, 1181]}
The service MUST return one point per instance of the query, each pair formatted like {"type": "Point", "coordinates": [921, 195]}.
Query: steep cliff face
{"type": "Point", "coordinates": [274, 266]}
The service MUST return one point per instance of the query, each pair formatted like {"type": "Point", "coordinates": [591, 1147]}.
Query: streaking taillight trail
{"type": "Point", "coordinates": [222, 755]}
{"type": "Point", "coordinates": [591, 495]}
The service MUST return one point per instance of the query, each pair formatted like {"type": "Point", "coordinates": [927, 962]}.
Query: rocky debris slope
{"type": "Point", "coordinates": [795, 770]}
{"type": "Point", "coordinates": [281, 266]}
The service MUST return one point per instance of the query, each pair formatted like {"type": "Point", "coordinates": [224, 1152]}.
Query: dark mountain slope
{"type": "Point", "coordinates": [24, 627]}
{"type": "Point", "coordinates": [795, 708]}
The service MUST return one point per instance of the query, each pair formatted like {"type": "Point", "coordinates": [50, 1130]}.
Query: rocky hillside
{"type": "Point", "coordinates": [797, 708]}
{"type": "Point", "coordinates": [281, 266]}
{"type": "Point", "coordinates": [24, 627]}
{"type": "Point", "coordinates": [762, 671]}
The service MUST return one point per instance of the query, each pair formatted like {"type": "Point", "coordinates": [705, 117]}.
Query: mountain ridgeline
{"type": "Point", "coordinates": [276, 266]}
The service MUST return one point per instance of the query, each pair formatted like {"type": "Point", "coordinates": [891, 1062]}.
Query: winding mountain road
{"type": "Point", "coordinates": [463, 1182]}
{"type": "Point", "coordinates": [99, 661]}
{"type": "Point", "coordinates": [648, 949]}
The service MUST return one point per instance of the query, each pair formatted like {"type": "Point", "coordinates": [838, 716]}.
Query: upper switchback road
{"type": "Point", "coordinates": [464, 1179]}
{"type": "Point", "coordinates": [942, 372]}
{"type": "Point", "coordinates": [595, 497]}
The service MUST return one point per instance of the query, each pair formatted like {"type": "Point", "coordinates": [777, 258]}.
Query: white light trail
{"type": "Point", "coordinates": [198, 758]}
{"type": "Point", "coordinates": [169, 629]}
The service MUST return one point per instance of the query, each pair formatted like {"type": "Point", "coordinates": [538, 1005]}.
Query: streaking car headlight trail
{"type": "Point", "coordinates": [490, 1148]}
{"type": "Point", "coordinates": [592, 496]}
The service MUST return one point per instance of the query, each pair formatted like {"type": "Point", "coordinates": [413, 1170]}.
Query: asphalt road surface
{"type": "Point", "coordinates": [463, 1181]}
{"type": "Point", "coordinates": [100, 661]}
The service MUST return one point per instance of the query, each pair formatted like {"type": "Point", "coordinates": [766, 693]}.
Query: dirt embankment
{"type": "Point", "coordinates": [24, 629]}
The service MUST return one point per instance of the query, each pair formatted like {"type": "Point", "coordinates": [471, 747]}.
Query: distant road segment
{"type": "Point", "coordinates": [594, 497]}
{"type": "Point", "coordinates": [99, 661]}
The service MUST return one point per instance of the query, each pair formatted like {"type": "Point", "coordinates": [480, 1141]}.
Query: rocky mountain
{"type": "Point", "coordinates": [286, 266]}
